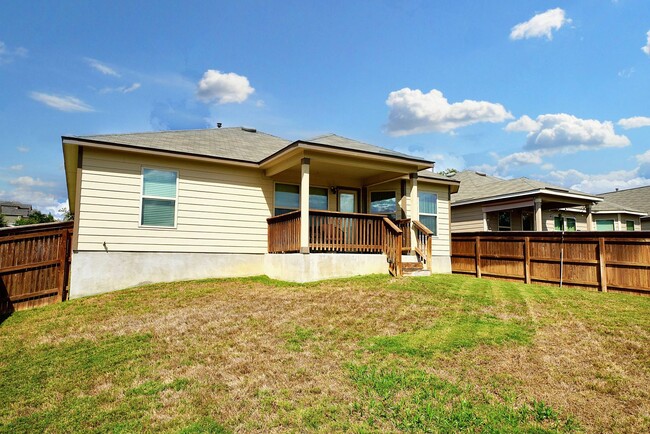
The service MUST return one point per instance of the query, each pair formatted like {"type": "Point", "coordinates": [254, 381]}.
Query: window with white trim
{"type": "Point", "coordinates": [287, 198]}
{"type": "Point", "coordinates": [159, 197]}
{"type": "Point", "coordinates": [429, 210]}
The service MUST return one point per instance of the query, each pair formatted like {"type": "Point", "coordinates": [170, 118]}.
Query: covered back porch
{"type": "Point", "coordinates": [327, 200]}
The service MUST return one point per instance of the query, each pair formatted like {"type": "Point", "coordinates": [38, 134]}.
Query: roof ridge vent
{"type": "Point", "coordinates": [481, 173]}
{"type": "Point", "coordinates": [249, 130]}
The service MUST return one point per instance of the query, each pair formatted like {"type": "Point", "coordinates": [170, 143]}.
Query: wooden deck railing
{"type": "Point", "coordinates": [405, 226]}
{"type": "Point", "coordinates": [331, 231]}
{"type": "Point", "coordinates": [392, 246]}
{"type": "Point", "coordinates": [284, 233]}
{"type": "Point", "coordinates": [423, 243]}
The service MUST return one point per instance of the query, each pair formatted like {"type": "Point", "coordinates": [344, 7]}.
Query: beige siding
{"type": "Point", "coordinates": [467, 218]}
{"type": "Point", "coordinates": [440, 242]}
{"type": "Point", "coordinates": [220, 209]}
{"type": "Point", "coordinates": [549, 219]}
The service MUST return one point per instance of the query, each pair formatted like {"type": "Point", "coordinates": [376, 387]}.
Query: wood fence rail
{"type": "Point", "coordinates": [34, 265]}
{"type": "Point", "coordinates": [605, 261]}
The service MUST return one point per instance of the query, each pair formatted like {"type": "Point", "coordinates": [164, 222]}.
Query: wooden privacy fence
{"type": "Point", "coordinates": [34, 265]}
{"type": "Point", "coordinates": [618, 261]}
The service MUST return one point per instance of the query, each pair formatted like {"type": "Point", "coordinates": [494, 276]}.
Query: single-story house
{"type": "Point", "coordinates": [229, 202]}
{"type": "Point", "coordinates": [635, 198]}
{"type": "Point", "coordinates": [488, 203]}
{"type": "Point", "coordinates": [14, 210]}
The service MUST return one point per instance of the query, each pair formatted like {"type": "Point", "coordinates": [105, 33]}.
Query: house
{"type": "Point", "coordinates": [14, 210]}
{"type": "Point", "coordinates": [230, 202]}
{"type": "Point", "coordinates": [488, 203]}
{"type": "Point", "coordinates": [635, 198]}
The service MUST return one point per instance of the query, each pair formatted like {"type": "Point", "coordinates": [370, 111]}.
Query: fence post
{"type": "Point", "coordinates": [63, 259]}
{"type": "Point", "coordinates": [527, 259]}
{"type": "Point", "coordinates": [477, 249]}
{"type": "Point", "coordinates": [602, 265]}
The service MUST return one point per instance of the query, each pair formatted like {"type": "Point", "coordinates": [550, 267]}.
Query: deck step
{"type": "Point", "coordinates": [409, 259]}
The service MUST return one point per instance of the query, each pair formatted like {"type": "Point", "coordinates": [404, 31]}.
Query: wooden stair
{"type": "Point", "coordinates": [411, 266]}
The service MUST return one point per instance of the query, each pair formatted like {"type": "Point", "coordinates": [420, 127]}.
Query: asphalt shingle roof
{"type": "Point", "coordinates": [354, 145]}
{"type": "Point", "coordinates": [475, 185]}
{"type": "Point", "coordinates": [240, 144]}
{"type": "Point", "coordinates": [608, 205]}
{"type": "Point", "coordinates": [635, 198]}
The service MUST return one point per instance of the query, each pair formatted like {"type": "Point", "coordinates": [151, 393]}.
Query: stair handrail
{"type": "Point", "coordinates": [392, 246]}
{"type": "Point", "coordinates": [423, 242]}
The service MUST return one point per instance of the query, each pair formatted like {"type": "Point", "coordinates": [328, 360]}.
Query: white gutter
{"type": "Point", "coordinates": [530, 193]}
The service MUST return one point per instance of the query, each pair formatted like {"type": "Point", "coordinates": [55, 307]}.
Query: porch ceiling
{"type": "Point", "coordinates": [339, 169]}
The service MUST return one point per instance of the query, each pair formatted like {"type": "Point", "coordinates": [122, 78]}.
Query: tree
{"type": "Point", "coordinates": [3, 221]}
{"type": "Point", "coordinates": [34, 218]}
{"type": "Point", "coordinates": [67, 215]}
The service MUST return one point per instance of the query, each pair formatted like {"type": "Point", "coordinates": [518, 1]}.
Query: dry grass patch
{"type": "Point", "coordinates": [368, 354]}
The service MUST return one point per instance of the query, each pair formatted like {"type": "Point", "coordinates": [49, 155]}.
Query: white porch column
{"type": "Point", "coordinates": [304, 205]}
{"type": "Point", "coordinates": [590, 218]}
{"type": "Point", "coordinates": [539, 223]}
{"type": "Point", "coordinates": [414, 207]}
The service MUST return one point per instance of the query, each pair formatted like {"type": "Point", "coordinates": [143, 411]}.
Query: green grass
{"type": "Point", "coordinates": [368, 354]}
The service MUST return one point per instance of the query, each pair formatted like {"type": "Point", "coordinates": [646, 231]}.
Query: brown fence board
{"type": "Point", "coordinates": [34, 265]}
{"type": "Point", "coordinates": [594, 260]}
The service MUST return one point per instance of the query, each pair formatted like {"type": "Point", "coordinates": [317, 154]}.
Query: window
{"type": "Point", "coordinates": [570, 224]}
{"type": "Point", "coordinates": [558, 224]}
{"type": "Point", "coordinates": [604, 225]}
{"type": "Point", "coordinates": [159, 188]}
{"type": "Point", "coordinates": [287, 198]}
{"type": "Point", "coordinates": [629, 225]}
{"type": "Point", "coordinates": [505, 221]}
{"type": "Point", "coordinates": [383, 202]}
{"type": "Point", "coordinates": [429, 210]}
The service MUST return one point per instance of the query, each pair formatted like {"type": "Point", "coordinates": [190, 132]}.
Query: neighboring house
{"type": "Point", "coordinates": [488, 203]}
{"type": "Point", "coordinates": [194, 204]}
{"type": "Point", "coordinates": [14, 210]}
{"type": "Point", "coordinates": [635, 198]}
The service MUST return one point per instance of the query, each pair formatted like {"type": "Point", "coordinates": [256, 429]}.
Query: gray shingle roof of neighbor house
{"type": "Point", "coordinates": [477, 186]}
{"type": "Point", "coordinates": [635, 198]}
{"type": "Point", "coordinates": [15, 209]}
{"type": "Point", "coordinates": [610, 206]}
{"type": "Point", "coordinates": [235, 143]}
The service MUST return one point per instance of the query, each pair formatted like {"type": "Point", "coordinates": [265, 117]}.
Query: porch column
{"type": "Point", "coordinates": [414, 207]}
{"type": "Point", "coordinates": [304, 205]}
{"type": "Point", "coordinates": [538, 215]}
{"type": "Point", "coordinates": [590, 218]}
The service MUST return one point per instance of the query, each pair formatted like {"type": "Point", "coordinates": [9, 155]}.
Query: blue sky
{"type": "Point", "coordinates": [553, 90]}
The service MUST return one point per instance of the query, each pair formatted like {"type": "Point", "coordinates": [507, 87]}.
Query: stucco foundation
{"type": "Point", "coordinates": [441, 264]}
{"type": "Point", "coordinates": [297, 267]}
{"type": "Point", "coordinates": [98, 272]}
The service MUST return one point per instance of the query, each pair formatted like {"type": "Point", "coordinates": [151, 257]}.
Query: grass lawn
{"type": "Point", "coordinates": [372, 354]}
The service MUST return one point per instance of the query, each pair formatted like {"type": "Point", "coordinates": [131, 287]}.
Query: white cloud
{"type": "Point", "coordinates": [16, 167]}
{"type": "Point", "coordinates": [121, 89]}
{"type": "Point", "coordinates": [62, 103]}
{"type": "Point", "coordinates": [626, 73]}
{"type": "Point", "coordinates": [643, 158]}
{"type": "Point", "coordinates": [635, 122]}
{"type": "Point", "coordinates": [28, 181]}
{"type": "Point", "coordinates": [223, 88]}
{"type": "Point", "coordinates": [99, 66]}
{"type": "Point", "coordinates": [646, 47]}
{"type": "Point", "coordinates": [22, 149]}
{"type": "Point", "coordinates": [600, 182]}
{"type": "Point", "coordinates": [566, 133]}
{"type": "Point", "coordinates": [8, 55]}
{"type": "Point", "coordinates": [524, 123]}
{"type": "Point", "coordinates": [414, 112]}
{"type": "Point", "coordinates": [540, 25]}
